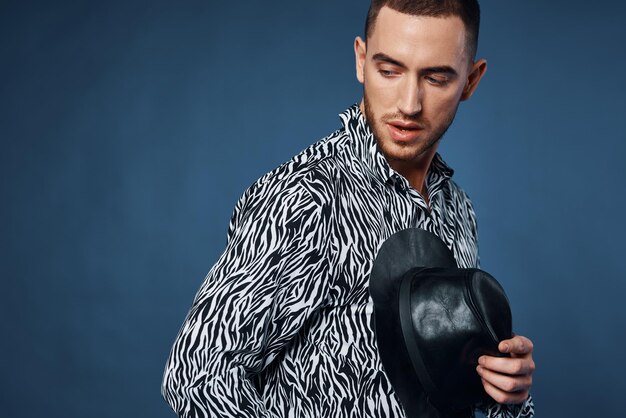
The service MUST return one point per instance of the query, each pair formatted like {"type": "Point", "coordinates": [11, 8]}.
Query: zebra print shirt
{"type": "Point", "coordinates": [282, 325]}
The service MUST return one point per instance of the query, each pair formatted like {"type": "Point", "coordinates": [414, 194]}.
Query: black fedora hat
{"type": "Point", "coordinates": [432, 322]}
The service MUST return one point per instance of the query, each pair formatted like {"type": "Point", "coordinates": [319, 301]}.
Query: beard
{"type": "Point", "coordinates": [406, 153]}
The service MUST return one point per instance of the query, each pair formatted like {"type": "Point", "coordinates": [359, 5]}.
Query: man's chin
{"type": "Point", "coordinates": [399, 148]}
{"type": "Point", "coordinates": [406, 152]}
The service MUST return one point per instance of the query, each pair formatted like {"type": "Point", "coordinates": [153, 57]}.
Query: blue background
{"type": "Point", "coordinates": [130, 128]}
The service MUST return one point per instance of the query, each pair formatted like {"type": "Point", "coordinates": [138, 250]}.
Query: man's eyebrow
{"type": "Point", "coordinates": [443, 69]}
{"type": "Point", "coordinates": [386, 58]}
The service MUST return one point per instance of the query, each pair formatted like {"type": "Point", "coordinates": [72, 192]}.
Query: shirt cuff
{"type": "Point", "coordinates": [522, 410]}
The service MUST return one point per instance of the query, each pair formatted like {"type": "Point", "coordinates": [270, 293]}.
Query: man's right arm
{"type": "Point", "coordinates": [272, 276]}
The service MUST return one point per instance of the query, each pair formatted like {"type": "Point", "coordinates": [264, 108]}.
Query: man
{"type": "Point", "coordinates": [282, 325]}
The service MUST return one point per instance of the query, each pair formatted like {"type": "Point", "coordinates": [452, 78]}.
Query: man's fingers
{"type": "Point", "coordinates": [508, 379]}
{"type": "Point", "coordinates": [506, 383]}
{"type": "Point", "coordinates": [515, 366]}
{"type": "Point", "coordinates": [503, 397]}
{"type": "Point", "coordinates": [516, 345]}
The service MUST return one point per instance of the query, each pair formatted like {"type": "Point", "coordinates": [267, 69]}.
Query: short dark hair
{"type": "Point", "coordinates": [467, 10]}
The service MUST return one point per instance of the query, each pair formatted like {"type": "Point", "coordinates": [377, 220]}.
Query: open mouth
{"type": "Point", "coordinates": [404, 132]}
{"type": "Point", "coordinates": [405, 125]}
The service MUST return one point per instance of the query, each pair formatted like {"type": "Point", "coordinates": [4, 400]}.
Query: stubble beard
{"type": "Point", "coordinates": [431, 140]}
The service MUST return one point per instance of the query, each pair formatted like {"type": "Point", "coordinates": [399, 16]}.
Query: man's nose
{"type": "Point", "coordinates": [410, 100]}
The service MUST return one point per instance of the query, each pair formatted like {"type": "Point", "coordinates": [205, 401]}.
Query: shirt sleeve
{"type": "Point", "coordinates": [271, 277]}
{"type": "Point", "coordinates": [523, 410]}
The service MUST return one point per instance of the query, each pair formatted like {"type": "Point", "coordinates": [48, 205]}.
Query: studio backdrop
{"type": "Point", "coordinates": [130, 128]}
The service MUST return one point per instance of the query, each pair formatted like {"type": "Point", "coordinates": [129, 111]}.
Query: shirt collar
{"type": "Point", "coordinates": [366, 149]}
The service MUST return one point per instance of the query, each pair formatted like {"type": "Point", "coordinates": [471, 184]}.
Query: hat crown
{"type": "Point", "coordinates": [449, 318]}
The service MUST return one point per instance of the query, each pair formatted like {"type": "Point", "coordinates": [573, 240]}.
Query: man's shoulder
{"type": "Point", "coordinates": [462, 204]}
{"type": "Point", "coordinates": [302, 186]}
{"type": "Point", "coordinates": [457, 191]}
{"type": "Point", "coordinates": [309, 173]}
{"type": "Point", "coordinates": [310, 168]}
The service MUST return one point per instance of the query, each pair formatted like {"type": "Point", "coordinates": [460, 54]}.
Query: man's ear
{"type": "Point", "coordinates": [476, 73]}
{"type": "Point", "coordinates": [359, 55]}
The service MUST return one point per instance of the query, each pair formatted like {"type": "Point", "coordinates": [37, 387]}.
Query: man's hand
{"type": "Point", "coordinates": [508, 379]}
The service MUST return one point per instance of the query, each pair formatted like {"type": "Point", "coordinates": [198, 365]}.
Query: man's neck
{"type": "Point", "coordinates": [416, 171]}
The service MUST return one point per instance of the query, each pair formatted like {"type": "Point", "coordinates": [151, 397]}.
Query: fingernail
{"type": "Point", "coordinates": [505, 348]}
{"type": "Point", "coordinates": [481, 360]}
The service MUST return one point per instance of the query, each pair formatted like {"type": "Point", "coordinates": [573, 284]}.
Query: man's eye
{"type": "Point", "coordinates": [386, 73]}
{"type": "Point", "coordinates": [436, 81]}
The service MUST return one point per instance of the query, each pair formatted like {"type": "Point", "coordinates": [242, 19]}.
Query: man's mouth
{"type": "Point", "coordinates": [404, 131]}
{"type": "Point", "coordinates": [405, 126]}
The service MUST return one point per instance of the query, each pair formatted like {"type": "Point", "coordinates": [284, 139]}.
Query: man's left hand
{"type": "Point", "coordinates": [508, 379]}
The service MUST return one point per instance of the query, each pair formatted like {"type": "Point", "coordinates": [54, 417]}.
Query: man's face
{"type": "Point", "coordinates": [415, 71]}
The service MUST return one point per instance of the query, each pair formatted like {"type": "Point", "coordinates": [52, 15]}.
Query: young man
{"type": "Point", "coordinates": [282, 325]}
